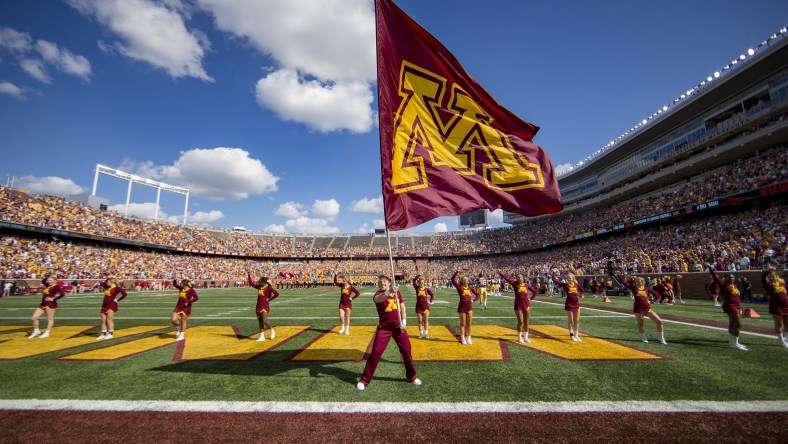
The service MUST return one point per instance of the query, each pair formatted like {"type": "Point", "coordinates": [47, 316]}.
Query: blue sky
{"type": "Point", "coordinates": [266, 109]}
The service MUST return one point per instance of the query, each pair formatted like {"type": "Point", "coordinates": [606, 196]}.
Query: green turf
{"type": "Point", "coordinates": [701, 365]}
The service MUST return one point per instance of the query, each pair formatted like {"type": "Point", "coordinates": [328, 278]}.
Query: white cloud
{"type": "Point", "coordinates": [562, 168]}
{"type": "Point", "coordinates": [217, 173]}
{"type": "Point", "coordinates": [146, 210]}
{"type": "Point", "coordinates": [36, 70]}
{"type": "Point", "coordinates": [495, 216]}
{"type": "Point", "coordinates": [202, 218]}
{"type": "Point", "coordinates": [328, 39]}
{"type": "Point", "coordinates": [11, 89]}
{"type": "Point", "coordinates": [54, 186]}
{"type": "Point", "coordinates": [15, 41]}
{"type": "Point", "coordinates": [326, 209]}
{"type": "Point", "coordinates": [275, 228]}
{"type": "Point", "coordinates": [440, 227]}
{"type": "Point", "coordinates": [65, 60]}
{"type": "Point", "coordinates": [310, 225]}
{"type": "Point", "coordinates": [325, 107]}
{"type": "Point", "coordinates": [151, 32]}
{"type": "Point", "coordinates": [324, 52]}
{"type": "Point", "coordinates": [366, 228]}
{"type": "Point", "coordinates": [367, 205]}
{"type": "Point", "coordinates": [291, 210]}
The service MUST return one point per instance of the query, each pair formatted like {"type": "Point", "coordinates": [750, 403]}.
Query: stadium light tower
{"type": "Point", "coordinates": [101, 169]}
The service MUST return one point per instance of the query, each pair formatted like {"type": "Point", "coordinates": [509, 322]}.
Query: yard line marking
{"type": "Point", "coordinates": [682, 406]}
{"type": "Point", "coordinates": [280, 318]}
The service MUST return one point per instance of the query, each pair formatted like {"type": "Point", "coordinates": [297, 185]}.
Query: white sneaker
{"type": "Point", "coordinates": [426, 335]}
{"type": "Point", "coordinates": [34, 334]}
{"type": "Point", "coordinates": [525, 338]}
{"type": "Point", "coordinates": [108, 337]}
{"type": "Point", "coordinates": [261, 338]}
{"type": "Point", "coordinates": [179, 337]}
{"type": "Point", "coordinates": [421, 335]}
{"type": "Point", "coordinates": [575, 338]}
{"type": "Point", "coordinates": [45, 335]}
{"type": "Point", "coordinates": [416, 382]}
{"type": "Point", "coordinates": [741, 347]}
{"type": "Point", "coordinates": [347, 331]}
{"type": "Point", "coordinates": [784, 344]}
{"type": "Point", "coordinates": [360, 386]}
{"type": "Point", "coordinates": [469, 341]}
{"type": "Point", "coordinates": [462, 340]}
{"type": "Point", "coordinates": [644, 338]}
{"type": "Point", "coordinates": [682, 302]}
{"type": "Point", "coordinates": [341, 330]}
{"type": "Point", "coordinates": [273, 334]}
{"type": "Point", "coordinates": [663, 341]}
{"type": "Point", "coordinates": [100, 337]}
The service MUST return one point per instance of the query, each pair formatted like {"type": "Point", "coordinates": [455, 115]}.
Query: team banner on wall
{"type": "Point", "coordinates": [447, 147]}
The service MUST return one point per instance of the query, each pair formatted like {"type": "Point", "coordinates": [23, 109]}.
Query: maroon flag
{"type": "Point", "coordinates": [447, 147]}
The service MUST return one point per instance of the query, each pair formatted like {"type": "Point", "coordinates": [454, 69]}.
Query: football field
{"type": "Point", "coordinates": [221, 361]}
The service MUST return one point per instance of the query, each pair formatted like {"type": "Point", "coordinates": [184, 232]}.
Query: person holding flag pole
{"type": "Point", "coordinates": [392, 317]}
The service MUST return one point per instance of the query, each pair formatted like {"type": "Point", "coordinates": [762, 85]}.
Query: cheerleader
{"type": "Point", "coordinates": [392, 324]}
{"type": "Point", "coordinates": [641, 307]}
{"type": "Point", "coordinates": [52, 292]}
{"type": "Point", "coordinates": [595, 287]}
{"type": "Point", "coordinates": [714, 289]}
{"type": "Point", "coordinates": [423, 306]}
{"type": "Point", "coordinates": [522, 305]}
{"type": "Point", "coordinates": [573, 292]}
{"type": "Point", "coordinates": [465, 307]}
{"type": "Point", "coordinates": [677, 289]}
{"type": "Point", "coordinates": [731, 305]}
{"type": "Point", "coordinates": [664, 290]}
{"type": "Point", "coordinates": [109, 307]}
{"type": "Point", "coordinates": [265, 294]}
{"type": "Point", "coordinates": [774, 286]}
{"type": "Point", "coordinates": [183, 309]}
{"type": "Point", "coordinates": [345, 302]}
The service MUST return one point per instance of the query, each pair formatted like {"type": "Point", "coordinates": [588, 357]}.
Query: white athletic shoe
{"type": "Point", "coordinates": [469, 341]}
{"type": "Point", "coordinates": [101, 336]}
{"type": "Point", "coordinates": [108, 337]}
{"type": "Point", "coordinates": [273, 334]}
{"type": "Point", "coordinates": [45, 335]}
{"type": "Point", "coordinates": [426, 335]}
{"type": "Point", "coordinates": [644, 338]}
{"type": "Point", "coordinates": [34, 334]}
{"type": "Point", "coordinates": [347, 331]}
{"type": "Point", "coordinates": [525, 339]}
{"type": "Point", "coordinates": [575, 338]}
{"type": "Point", "coordinates": [663, 341]}
{"type": "Point", "coordinates": [261, 338]}
{"type": "Point", "coordinates": [360, 386]}
{"type": "Point", "coordinates": [682, 302]}
{"type": "Point", "coordinates": [179, 337]}
{"type": "Point", "coordinates": [784, 344]}
{"type": "Point", "coordinates": [421, 335]}
{"type": "Point", "coordinates": [462, 340]}
{"type": "Point", "coordinates": [416, 382]}
{"type": "Point", "coordinates": [741, 347]}
{"type": "Point", "coordinates": [341, 330]}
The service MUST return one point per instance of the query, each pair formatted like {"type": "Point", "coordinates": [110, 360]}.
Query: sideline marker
{"type": "Point", "coordinates": [751, 313]}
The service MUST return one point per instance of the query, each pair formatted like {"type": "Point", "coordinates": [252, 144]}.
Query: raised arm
{"type": "Point", "coordinates": [414, 281]}
{"type": "Point", "coordinates": [454, 280]}
{"type": "Point", "coordinates": [507, 279]}
{"type": "Point", "coordinates": [715, 277]}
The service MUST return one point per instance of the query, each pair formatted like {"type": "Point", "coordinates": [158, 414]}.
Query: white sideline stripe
{"type": "Point", "coordinates": [398, 407]}
{"type": "Point", "coordinates": [742, 332]}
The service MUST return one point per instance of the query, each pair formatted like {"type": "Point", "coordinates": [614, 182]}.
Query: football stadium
{"type": "Point", "coordinates": [279, 336]}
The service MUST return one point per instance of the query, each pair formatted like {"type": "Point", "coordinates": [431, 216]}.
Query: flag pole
{"type": "Point", "coordinates": [382, 187]}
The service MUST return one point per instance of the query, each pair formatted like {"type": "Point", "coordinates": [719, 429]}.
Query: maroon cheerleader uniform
{"type": "Point", "coordinates": [345, 297]}
{"type": "Point", "coordinates": [521, 301]}
{"type": "Point", "coordinates": [50, 292]}
{"type": "Point", "coordinates": [730, 295]}
{"type": "Point", "coordinates": [110, 293]}
{"type": "Point", "coordinates": [264, 293]}
{"type": "Point", "coordinates": [778, 298]}
{"type": "Point", "coordinates": [641, 304]}
{"type": "Point", "coordinates": [466, 304]}
{"type": "Point", "coordinates": [573, 294]}
{"type": "Point", "coordinates": [186, 297]}
{"type": "Point", "coordinates": [422, 306]}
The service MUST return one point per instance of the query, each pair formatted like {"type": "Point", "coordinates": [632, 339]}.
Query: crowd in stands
{"type": "Point", "coordinates": [724, 240]}
{"type": "Point", "coordinates": [766, 168]}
